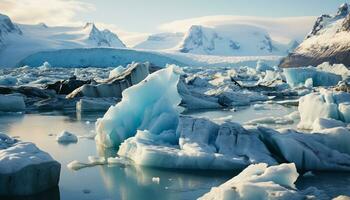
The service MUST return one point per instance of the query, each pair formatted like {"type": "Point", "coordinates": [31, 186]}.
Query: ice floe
{"type": "Point", "coordinates": [259, 181]}
{"type": "Point", "coordinates": [66, 137]}
{"type": "Point", "coordinates": [25, 169]}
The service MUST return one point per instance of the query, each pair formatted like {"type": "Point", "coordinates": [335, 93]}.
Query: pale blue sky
{"type": "Point", "coordinates": [146, 15]}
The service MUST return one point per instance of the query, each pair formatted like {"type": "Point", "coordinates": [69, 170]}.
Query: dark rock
{"type": "Point", "coordinates": [67, 86]}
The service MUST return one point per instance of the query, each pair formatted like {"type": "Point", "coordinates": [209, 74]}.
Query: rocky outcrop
{"type": "Point", "coordinates": [328, 41]}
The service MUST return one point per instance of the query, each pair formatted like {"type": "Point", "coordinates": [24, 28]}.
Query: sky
{"type": "Point", "coordinates": [135, 19]}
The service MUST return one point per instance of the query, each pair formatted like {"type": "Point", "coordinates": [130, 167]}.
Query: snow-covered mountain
{"type": "Point", "coordinates": [19, 41]}
{"type": "Point", "coordinates": [161, 41]}
{"type": "Point", "coordinates": [329, 40]}
{"type": "Point", "coordinates": [6, 28]}
{"type": "Point", "coordinates": [235, 39]}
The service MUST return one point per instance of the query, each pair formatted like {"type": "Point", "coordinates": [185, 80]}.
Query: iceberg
{"type": "Point", "coordinates": [149, 131]}
{"type": "Point", "coordinates": [150, 105]}
{"type": "Point", "coordinates": [317, 151]}
{"type": "Point", "coordinates": [301, 76]}
{"type": "Point", "coordinates": [25, 169]}
{"type": "Point", "coordinates": [12, 103]}
{"type": "Point", "coordinates": [116, 71]}
{"type": "Point", "coordinates": [323, 104]}
{"type": "Point", "coordinates": [113, 87]}
{"type": "Point", "coordinates": [197, 144]}
{"type": "Point", "coordinates": [258, 181]}
{"type": "Point", "coordinates": [66, 137]}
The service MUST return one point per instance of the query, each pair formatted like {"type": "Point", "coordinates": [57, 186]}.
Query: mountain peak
{"type": "Point", "coordinates": [343, 10]}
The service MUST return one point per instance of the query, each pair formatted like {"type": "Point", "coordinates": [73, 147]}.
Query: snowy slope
{"type": "Point", "coordinates": [329, 40]}
{"type": "Point", "coordinates": [224, 40]}
{"type": "Point", "coordinates": [24, 40]}
{"type": "Point", "coordinates": [7, 28]}
{"type": "Point", "coordinates": [161, 41]}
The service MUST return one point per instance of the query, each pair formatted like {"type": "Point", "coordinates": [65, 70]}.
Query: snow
{"type": "Point", "coordinates": [34, 38]}
{"type": "Point", "coordinates": [235, 39]}
{"type": "Point", "coordinates": [161, 41]}
{"type": "Point", "coordinates": [12, 103]}
{"type": "Point", "coordinates": [149, 105]}
{"type": "Point", "coordinates": [258, 181]}
{"type": "Point", "coordinates": [66, 137]}
{"type": "Point", "coordinates": [323, 104]}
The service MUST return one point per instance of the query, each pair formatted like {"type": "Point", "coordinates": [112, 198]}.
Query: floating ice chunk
{"type": "Point", "coordinates": [76, 165]}
{"type": "Point", "coordinates": [8, 80]}
{"type": "Point", "coordinates": [95, 104]}
{"type": "Point", "coordinates": [93, 161]}
{"type": "Point", "coordinates": [271, 120]}
{"type": "Point", "coordinates": [323, 123]}
{"type": "Point", "coordinates": [25, 169]}
{"type": "Point", "coordinates": [133, 74]}
{"type": "Point", "coordinates": [88, 136]}
{"type": "Point", "coordinates": [338, 69]}
{"type": "Point", "coordinates": [116, 71]}
{"type": "Point", "coordinates": [12, 103]}
{"type": "Point", "coordinates": [156, 180]}
{"type": "Point", "coordinates": [259, 181]}
{"type": "Point", "coordinates": [323, 104]}
{"type": "Point", "coordinates": [118, 160]}
{"type": "Point", "coordinates": [308, 151]}
{"type": "Point", "coordinates": [202, 145]}
{"type": "Point", "coordinates": [308, 174]}
{"type": "Point", "coordinates": [262, 66]}
{"type": "Point", "coordinates": [298, 76]}
{"type": "Point", "coordinates": [309, 83]}
{"type": "Point", "coordinates": [150, 105]}
{"type": "Point", "coordinates": [66, 137]}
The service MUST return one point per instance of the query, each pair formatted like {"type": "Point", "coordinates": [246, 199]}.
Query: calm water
{"type": "Point", "coordinates": [120, 182]}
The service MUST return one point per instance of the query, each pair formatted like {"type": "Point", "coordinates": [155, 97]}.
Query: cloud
{"type": "Point", "coordinates": [280, 29]}
{"type": "Point", "coordinates": [51, 12]}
